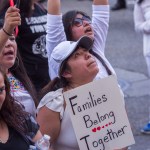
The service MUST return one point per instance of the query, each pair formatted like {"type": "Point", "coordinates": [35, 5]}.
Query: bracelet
{"type": "Point", "coordinates": [7, 32]}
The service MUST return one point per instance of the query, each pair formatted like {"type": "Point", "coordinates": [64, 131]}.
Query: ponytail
{"type": "Point", "coordinates": [53, 85]}
{"type": "Point", "coordinates": [56, 83]}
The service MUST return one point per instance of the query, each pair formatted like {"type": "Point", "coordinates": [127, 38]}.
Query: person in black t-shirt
{"type": "Point", "coordinates": [31, 40]}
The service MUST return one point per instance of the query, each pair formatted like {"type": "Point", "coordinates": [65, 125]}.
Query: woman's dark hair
{"type": "Point", "coordinates": [57, 82]}
{"type": "Point", "coordinates": [11, 111]}
{"type": "Point", "coordinates": [68, 19]}
{"type": "Point", "coordinates": [19, 71]}
{"type": "Point", "coordinates": [25, 7]}
{"type": "Point", "coordinates": [140, 1]}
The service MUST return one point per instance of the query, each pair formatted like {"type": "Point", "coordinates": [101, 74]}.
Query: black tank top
{"type": "Point", "coordinates": [15, 142]}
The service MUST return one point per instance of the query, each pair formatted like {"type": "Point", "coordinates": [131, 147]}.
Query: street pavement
{"type": "Point", "coordinates": [124, 51]}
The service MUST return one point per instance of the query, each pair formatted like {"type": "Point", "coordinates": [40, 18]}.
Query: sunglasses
{"type": "Point", "coordinates": [79, 21]}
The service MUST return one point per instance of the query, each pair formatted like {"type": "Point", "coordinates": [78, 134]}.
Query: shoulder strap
{"type": "Point", "coordinates": [102, 61]}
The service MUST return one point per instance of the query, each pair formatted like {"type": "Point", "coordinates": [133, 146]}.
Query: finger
{"type": "Point", "coordinates": [12, 25]}
{"type": "Point", "coordinates": [16, 23]}
{"type": "Point", "coordinates": [13, 14]}
{"type": "Point", "coordinates": [12, 22]}
{"type": "Point", "coordinates": [15, 19]}
{"type": "Point", "coordinates": [12, 9]}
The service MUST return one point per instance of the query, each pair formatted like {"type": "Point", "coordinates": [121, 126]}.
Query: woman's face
{"type": "Point", "coordinates": [2, 90]}
{"type": "Point", "coordinates": [83, 66]}
{"type": "Point", "coordinates": [8, 54]}
{"type": "Point", "coordinates": [82, 26]}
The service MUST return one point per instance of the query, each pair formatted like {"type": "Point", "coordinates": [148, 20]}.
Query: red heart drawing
{"type": "Point", "coordinates": [102, 126]}
{"type": "Point", "coordinates": [98, 128]}
{"type": "Point", "coordinates": [106, 125]}
{"type": "Point", "coordinates": [94, 129]}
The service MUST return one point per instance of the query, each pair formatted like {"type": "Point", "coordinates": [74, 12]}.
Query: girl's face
{"type": "Point", "coordinates": [82, 26]}
{"type": "Point", "coordinates": [83, 66]}
{"type": "Point", "coordinates": [2, 90]}
{"type": "Point", "coordinates": [8, 54]}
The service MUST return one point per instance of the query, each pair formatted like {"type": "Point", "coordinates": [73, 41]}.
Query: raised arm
{"type": "Point", "coordinates": [53, 7]}
{"type": "Point", "coordinates": [12, 19]}
{"type": "Point", "coordinates": [55, 30]}
{"type": "Point", "coordinates": [100, 2]}
{"type": "Point", "coordinates": [100, 22]}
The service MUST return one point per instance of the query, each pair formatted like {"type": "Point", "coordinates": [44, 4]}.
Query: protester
{"type": "Point", "coordinates": [11, 62]}
{"type": "Point", "coordinates": [18, 129]}
{"type": "Point", "coordinates": [75, 66]}
{"type": "Point", "coordinates": [142, 24]}
{"type": "Point", "coordinates": [31, 40]}
{"type": "Point", "coordinates": [120, 4]}
{"type": "Point", "coordinates": [76, 24]}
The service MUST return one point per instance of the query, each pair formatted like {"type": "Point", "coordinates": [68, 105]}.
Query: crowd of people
{"type": "Point", "coordinates": [44, 54]}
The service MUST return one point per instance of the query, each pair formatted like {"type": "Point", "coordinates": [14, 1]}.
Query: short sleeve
{"type": "Point", "coordinates": [53, 100]}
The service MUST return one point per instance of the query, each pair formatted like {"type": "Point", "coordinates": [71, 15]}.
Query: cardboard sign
{"type": "Point", "coordinates": [98, 115]}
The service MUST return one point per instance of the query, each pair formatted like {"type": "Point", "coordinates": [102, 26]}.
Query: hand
{"type": "Point", "coordinates": [12, 19]}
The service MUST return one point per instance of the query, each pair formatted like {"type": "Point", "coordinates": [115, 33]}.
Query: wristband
{"type": "Point", "coordinates": [7, 32]}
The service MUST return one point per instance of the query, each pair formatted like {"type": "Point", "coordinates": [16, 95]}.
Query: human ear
{"type": "Point", "coordinates": [67, 74]}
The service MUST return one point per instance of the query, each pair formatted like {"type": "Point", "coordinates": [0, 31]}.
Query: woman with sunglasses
{"type": "Point", "coordinates": [74, 24]}
{"type": "Point", "coordinates": [11, 62]}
